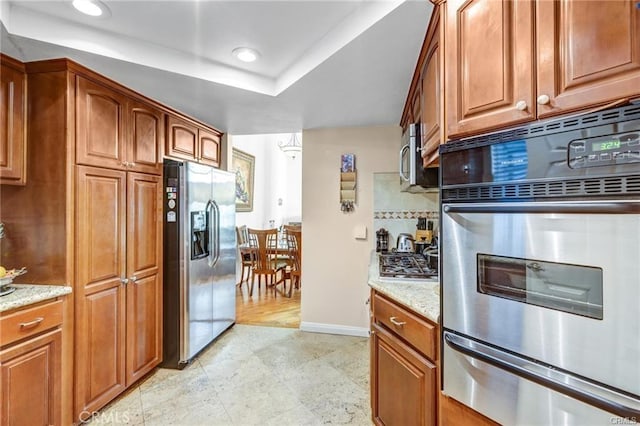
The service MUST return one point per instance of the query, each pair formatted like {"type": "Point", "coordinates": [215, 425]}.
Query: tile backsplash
{"type": "Point", "coordinates": [397, 211]}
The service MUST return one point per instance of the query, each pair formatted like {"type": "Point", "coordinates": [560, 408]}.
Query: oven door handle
{"type": "Point", "coordinates": [563, 382]}
{"type": "Point", "coordinates": [546, 207]}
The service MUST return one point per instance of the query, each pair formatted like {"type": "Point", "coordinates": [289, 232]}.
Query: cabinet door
{"type": "Point", "coordinates": [146, 133]}
{"type": "Point", "coordinates": [144, 266]}
{"type": "Point", "coordinates": [209, 148]}
{"type": "Point", "coordinates": [588, 53]}
{"type": "Point", "coordinates": [431, 94]}
{"type": "Point", "coordinates": [182, 139]}
{"type": "Point", "coordinates": [100, 293]}
{"type": "Point", "coordinates": [13, 142]}
{"type": "Point", "coordinates": [489, 64]}
{"type": "Point", "coordinates": [99, 126]}
{"type": "Point", "coordinates": [404, 386]}
{"type": "Point", "coordinates": [30, 375]}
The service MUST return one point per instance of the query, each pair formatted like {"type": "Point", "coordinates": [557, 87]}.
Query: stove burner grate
{"type": "Point", "coordinates": [405, 265]}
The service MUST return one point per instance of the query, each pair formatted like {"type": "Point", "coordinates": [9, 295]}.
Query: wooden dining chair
{"type": "Point", "coordinates": [266, 262]}
{"type": "Point", "coordinates": [293, 271]}
{"type": "Point", "coordinates": [245, 253]}
{"type": "Point", "coordinates": [292, 227]}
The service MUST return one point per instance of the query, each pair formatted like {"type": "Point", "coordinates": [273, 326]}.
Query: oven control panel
{"type": "Point", "coordinates": [610, 150]}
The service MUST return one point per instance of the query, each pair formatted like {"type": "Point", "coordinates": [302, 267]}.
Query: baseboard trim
{"type": "Point", "coordinates": [315, 327]}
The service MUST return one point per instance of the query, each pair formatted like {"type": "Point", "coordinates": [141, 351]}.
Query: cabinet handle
{"type": "Point", "coordinates": [395, 321]}
{"type": "Point", "coordinates": [124, 163]}
{"type": "Point", "coordinates": [124, 281]}
{"type": "Point", "coordinates": [133, 278]}
{"type": "Point", "coordinates": [31, 323]}
{"type": "Point", "coordinates": [543, 100]}
{"type": "Point", "coordinates": [132, 164]}
{"type": "Point", "coordinates": [521, 105]}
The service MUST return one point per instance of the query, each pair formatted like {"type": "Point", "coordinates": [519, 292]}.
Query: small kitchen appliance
{"type": "Point", "coordinates": [382, 240]}
{"type": "Point", "coordinates": [540, 271]}
{"type": "Point", "coordinates": [405, 243]}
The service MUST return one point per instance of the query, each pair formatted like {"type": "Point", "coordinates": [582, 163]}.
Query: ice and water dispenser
{"type": "Point", "coordinates": [199, 234]}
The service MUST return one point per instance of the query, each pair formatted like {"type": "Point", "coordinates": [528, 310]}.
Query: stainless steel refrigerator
{"type": "Point", "coordinates": [199, 258]}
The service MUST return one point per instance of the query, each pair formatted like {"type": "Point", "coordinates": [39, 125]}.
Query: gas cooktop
{"type": "Point", "coordinates": [405, 265]}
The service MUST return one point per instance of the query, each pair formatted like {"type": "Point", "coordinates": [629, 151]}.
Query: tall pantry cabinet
{"type": "Point", "coordinates": [108, 142]}
{"type": "Point", "coordinates": [119, 253]}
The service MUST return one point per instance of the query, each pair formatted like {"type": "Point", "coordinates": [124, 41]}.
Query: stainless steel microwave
{"type": "Point", "coordinates": [414, 177]}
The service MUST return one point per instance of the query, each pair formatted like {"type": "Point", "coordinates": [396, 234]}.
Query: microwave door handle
{"type": "Point", "coordinates": [546, 207]}
{"type": "Point", "coordinates": [566, 383]}
{"type": "Point", "coordinates": [404, 149]}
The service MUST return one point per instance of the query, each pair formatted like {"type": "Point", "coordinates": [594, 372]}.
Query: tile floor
{"type": "Point", "coordinates": [256, 375]}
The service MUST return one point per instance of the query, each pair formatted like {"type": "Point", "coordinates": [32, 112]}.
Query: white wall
{"type": "Point", "coordinates": [277, 176]}
{"type": "Point", "coordinates": [335, 264]}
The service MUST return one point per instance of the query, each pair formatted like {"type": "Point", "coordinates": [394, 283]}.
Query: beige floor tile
{"type": "Point", "coordinates": [256, 375]}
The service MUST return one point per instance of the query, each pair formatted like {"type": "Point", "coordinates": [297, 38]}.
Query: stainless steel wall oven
{"type": "Point", "coordinates": [540, 253]}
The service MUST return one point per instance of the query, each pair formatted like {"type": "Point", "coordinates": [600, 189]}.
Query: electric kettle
{"type": "Point", "coordinates": [405, 243]}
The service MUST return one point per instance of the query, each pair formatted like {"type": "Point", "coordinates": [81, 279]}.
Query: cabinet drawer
{"type": "Point", "coordinates": [413, 329]}
{"type": "Point", "coordinates": [30, 321]}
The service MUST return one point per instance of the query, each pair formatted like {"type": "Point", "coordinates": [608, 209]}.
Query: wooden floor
{"type": "Point", "coordinates": [265, 309]}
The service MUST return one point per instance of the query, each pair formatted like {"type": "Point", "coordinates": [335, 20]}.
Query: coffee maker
{"type": "Point", "coordinates": [382, 240]}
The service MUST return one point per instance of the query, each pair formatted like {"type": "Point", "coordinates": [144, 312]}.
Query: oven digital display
{"type": "Point", "coordinates": [605, 145]}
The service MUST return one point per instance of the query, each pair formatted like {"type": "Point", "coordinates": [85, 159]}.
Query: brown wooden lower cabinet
{"type": "Point", "coordinates": [454, 413]}
{"type": "Point", "coordinates": [119, 292]}
{"type": "Point", "coordinates": [405, 383]}
{"type": "Point", "coordinates": [31, 366]}
{"type": "Point", "coordinates": [404, 373]}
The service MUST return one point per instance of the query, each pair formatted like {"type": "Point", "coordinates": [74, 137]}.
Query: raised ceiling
{"type": "Point", "coordinates": [322, 63]}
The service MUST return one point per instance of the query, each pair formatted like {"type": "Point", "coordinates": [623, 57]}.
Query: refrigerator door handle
{"type": "Point", "coordinates": [214, 232]}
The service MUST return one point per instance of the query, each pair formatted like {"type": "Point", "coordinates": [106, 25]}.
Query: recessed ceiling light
{"type": "Point", "coordinates": [245, 54]}
{"type": "Point", "coordinates": [91, 7]}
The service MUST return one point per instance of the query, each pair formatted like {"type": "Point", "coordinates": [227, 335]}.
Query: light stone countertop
{"type": "Point", "coordinates": [421, 296]}
{"type": "Point", "coordinates": [27, 294]}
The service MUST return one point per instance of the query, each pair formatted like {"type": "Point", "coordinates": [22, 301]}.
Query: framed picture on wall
{"type": "Point", "coordinates": [243, 165]}
{"type": "Point", "coordinates": [348, 163]}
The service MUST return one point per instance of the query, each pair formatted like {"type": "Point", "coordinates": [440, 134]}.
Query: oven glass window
{"type": "Point", "coordinates": [575, 289]}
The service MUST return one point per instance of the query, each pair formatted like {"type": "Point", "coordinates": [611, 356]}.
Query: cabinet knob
{"type": "Point", "coordinates": [132, 164]}
{"type": "Point", "coordinates": [521, 105]}
{"type": "Point", "coordinates": [125, 163]}
{"type": "Point", "coordinates": [124, 281]}
{"type": "Point", "coordinates": [543, 100]}
{"type": "Point", "coordinates": [133, 279]}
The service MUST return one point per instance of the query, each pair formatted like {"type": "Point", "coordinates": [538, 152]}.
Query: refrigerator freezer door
{"type": "Point", "coordinates": [224, 250]}
{"type": "Point", "coordinates": [198, 323]}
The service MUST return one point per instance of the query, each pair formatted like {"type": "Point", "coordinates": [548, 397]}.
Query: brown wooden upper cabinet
{"type": "Point", "coordinates": [13, 113]}
{"type": "Point", "coordinates": [424, 103]}
{"type": "Point", "coordinates": [431, 114]}
{"type": "Point", "coordinates": [509, 62]}
{"type": "Point", "coordinates": [187, 141]}
{"type": "Point", "coordinates": [116, 131]}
